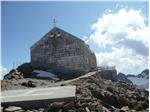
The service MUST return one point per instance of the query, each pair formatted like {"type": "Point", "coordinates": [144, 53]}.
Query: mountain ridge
{"type": "Point", "coordinates": [141, 80]}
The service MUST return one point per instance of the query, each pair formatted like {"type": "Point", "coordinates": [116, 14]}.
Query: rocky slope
{"type": "Point", "coordinates": [94, 94]}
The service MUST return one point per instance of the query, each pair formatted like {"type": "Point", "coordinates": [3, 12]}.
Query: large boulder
{"type": "Point", "coordinates": [26, 69]}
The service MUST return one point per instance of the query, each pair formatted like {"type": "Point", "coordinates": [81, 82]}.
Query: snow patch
{"type": "Point", "coordinates": [43, 74]}
{"type": "Point", "coordinates": [140, 82]}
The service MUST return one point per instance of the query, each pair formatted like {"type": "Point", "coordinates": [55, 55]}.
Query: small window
{"type": "Point", "coordinates": [52, 35]}
{"type": "Point", "coordinates": [58, 34]}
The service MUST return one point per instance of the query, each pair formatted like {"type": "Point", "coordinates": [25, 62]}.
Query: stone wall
{"type": "Point", "coordinates": [62, 55]}
{"type": "Point", "coordinates": [90, 59]}
{"type": "Point", "coordinates": [108, 74]}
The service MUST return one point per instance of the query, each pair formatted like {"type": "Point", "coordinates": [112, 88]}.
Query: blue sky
{"type": "Point", "coordinates": [23, 23]}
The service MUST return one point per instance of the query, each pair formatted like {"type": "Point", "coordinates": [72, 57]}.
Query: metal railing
{"type": "Point", "coordinates": [106, 68]}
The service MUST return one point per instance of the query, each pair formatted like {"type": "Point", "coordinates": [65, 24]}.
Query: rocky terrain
{"type": "Point", "coordinates": [93, 94]}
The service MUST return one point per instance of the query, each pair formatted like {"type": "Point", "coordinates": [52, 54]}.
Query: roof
{"type": "Point", "coordinates": [56, 29]}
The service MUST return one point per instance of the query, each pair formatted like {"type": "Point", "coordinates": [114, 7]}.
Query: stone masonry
{"type": "Point", "coordinates": [62, 53]}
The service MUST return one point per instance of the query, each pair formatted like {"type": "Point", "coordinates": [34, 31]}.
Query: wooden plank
{"type": "Point", "coordinates": [38, 96]}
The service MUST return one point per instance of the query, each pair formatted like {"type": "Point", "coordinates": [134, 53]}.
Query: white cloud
{"type": "Point", "coordinates": [127, 34]}
{"type": "Point", "coordinates": [125, 60]}
{"type": "Point", "coordinates": [3, 71]}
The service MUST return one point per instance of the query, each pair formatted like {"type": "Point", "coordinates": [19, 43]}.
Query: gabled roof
{"type": "Point", "coordinates": [53, 30]}
{"type": "Point", "coordinates": [58, 29]}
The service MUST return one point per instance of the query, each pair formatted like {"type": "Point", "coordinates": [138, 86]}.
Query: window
{"type": "Point", "coordinates": [58, 34]}
{"type": "Point", "coordinates": [52, 35]}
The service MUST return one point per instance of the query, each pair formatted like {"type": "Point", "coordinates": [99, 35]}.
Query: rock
{"type": "Point", "coordinates": [71, 110]}
{"type": "Point", "coordinates": [87, 109]}
{"type": "Point", "coordinates": [57, 105]}
{"type": "Point", "coordinates": [41, 109]}
{"type": "Point", "coordinates": [34, 110]}
{"type": "Point", "coordinates": [26, 69]}
{"type": "Point", "coordinates": [1, 109]}
{"type": "Point", "coordinates": [106, 110]}
{"type": "Point", "coordinates": [29, 111]}
{"type": "Point", "coordinates": [133, 110]}
{"type": "Point", "coordinates": [69, 105]}
{"type": "Point", "coordinates": [31, 84]}
{"type": "Point", "coordinates": [12, 109]}
{"type": "Point", "coordinates": [110, 89]}
{"type": "Point", "coordinates": [81, 110]}
{"type": "Point", "coordinates": [12, 71]}
{"type": "Point", "coordinates": [84, 105]}
{"type": "Point", "coordinates": [93, 106]}
{"type": "Point", "coordinates": [60, 110]}
{"type": "Point", "coordinates": [88, 99]}
{"type": "Point", "coordinates": [28, 84]}
{"type": "Point", "coordinates": [24, 84]}
{"type": "Point", "coordinates": [138, 107]}
{"type": "Point", "coordinates": [19, 111]}
{"type": "Point", "coordinates": [99, 108]}
{"type": "Point", "coordinates": [125, 108]}
{"type": "Point", "coordinates": [13, 75]}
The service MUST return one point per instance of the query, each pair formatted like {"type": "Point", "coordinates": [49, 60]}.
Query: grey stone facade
{"type": "Point", "coordinates": [62, 53]}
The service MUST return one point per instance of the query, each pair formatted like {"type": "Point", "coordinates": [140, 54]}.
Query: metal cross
{"type": "Point", "coordinates": [54, 22]}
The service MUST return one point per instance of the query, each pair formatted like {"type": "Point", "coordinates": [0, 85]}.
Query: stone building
{"type": "Point", "coordinates": [62, 53]}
